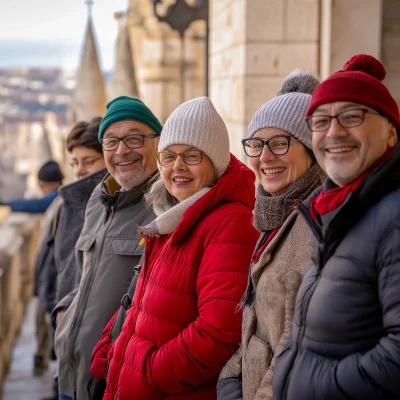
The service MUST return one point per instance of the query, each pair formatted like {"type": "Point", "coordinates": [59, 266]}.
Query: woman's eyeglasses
{"type": "Point", "coordinates": [189, 157]}
{"type": "Point", "coordinates": [278, 145]}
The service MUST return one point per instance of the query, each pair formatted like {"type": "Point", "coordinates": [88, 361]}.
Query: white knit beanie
{"type": "Point", "coordinates": [288, 110]}
{"type": "Point", "coordinates": [197, 123]}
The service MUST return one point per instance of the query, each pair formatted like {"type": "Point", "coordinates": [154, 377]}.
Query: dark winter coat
{"type": "Point", "coordinates": [45, 267]}
{"type": "Point", "coordinates": [70, 223]}
{"type": "Point", "coordinates": [183, 325]}
{"type": "Point", "coordinates": [345, 341]}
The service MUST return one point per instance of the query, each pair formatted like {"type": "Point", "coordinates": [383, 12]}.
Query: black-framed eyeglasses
{"type": "Point", "coordinates": [278, 145]}
{"type": "Point", "coordinates": [346, 119]}
{"type": "Point", "coordinates": [189, 157]}
{"type": "Point", "coordinates": [132, 141]}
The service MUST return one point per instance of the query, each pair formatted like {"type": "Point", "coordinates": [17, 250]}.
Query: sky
{"type": "Point", "coordinates": [49, 33]}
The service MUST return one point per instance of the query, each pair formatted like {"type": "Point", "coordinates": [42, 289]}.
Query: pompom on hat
{"type": "Point", "coordinates": [360, 81]}
{"type": "Point", "coordinates": [287, 111]}
{"type": "Point", "coordinates": [197, 123]}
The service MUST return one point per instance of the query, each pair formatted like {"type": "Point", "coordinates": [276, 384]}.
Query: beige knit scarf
{"type": "Point", "coordinates": [270, 212]}
{"type": "Point", "coordinates": [168, 221]}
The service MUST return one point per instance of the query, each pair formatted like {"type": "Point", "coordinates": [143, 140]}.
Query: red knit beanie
{"type": "Point", "coordinates": [360, 82]}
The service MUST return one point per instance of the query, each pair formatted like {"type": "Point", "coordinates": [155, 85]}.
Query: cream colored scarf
{"type": "Point", "coordinates": [168, 221]}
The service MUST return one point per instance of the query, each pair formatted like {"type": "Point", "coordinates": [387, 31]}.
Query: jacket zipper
{"type": "Point", "coordinates": [81, 306]}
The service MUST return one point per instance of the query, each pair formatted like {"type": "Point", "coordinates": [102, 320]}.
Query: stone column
{"type": "Point", "coordinates": [157, 54]}
{"type": "Point", "coordinates": [349, 28]}
{"type": "Point", "coordinates": [254, 45]}
{"type": "Point", "coordinates": [391, 46]}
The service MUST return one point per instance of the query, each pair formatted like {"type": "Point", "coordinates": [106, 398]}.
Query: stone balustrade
{"type": "Point", "coordinates": [18, 243]}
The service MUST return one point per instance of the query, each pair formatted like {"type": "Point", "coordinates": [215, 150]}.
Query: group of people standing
{"type": "Point", "coordinates": [187, 282]}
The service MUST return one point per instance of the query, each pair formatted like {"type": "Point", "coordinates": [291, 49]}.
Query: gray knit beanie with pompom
{"type": "Point", "coordinates": [287, 111]}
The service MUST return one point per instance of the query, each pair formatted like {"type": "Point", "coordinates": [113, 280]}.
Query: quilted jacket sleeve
{"type": "Point", "coordinates": [200, 351]}
{"type": "Point", "coordinates": [101, 351]}
{"type": "Point", "coordinates": [375, 374]}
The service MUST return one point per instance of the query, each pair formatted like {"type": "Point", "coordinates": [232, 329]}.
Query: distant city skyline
{"type": "Point", "coordinates": [50, 33]}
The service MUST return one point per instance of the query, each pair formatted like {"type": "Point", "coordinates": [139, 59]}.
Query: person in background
{"type": "Point", "coordinates": [108, 246]}
{"type": "Point", "coordinates": [50, 179]}
{"type": "Point", "coordinates": [280, 152]}
{"type": "Point", "coordinates": [183, 324]}
{"type": "Point", "coordinates": [87, 162]}
{"type": "Point", "coordinates": [345, 339]}
{"type": "Point", "coordinates": [56, 265]}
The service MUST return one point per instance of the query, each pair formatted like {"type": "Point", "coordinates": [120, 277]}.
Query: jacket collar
{"type": "Point", "coordinates": [78, 193]}
{"type": "Point", "coordinates": [111, 193]}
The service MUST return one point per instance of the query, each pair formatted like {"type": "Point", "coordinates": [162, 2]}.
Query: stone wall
{"type": "Point", "coordinates": [351, 30]}
{"type": "Point", "coordinates": [157, 55]}
{"type": "Point", "coordinates": [391, 46]}
{"type": "Point", "coordinates": [18, 242]}
{"type": "Point", "coordinates": [254, 45]}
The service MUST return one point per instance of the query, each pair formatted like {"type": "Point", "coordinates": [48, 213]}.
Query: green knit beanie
{"type": "Point", "coordinates": [125, 107]}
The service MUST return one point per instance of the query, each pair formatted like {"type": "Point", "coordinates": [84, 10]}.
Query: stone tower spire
{"type": "Point", "coordinates": [89, 98]}
{"type": "Point", "coordinates": [123, 81]}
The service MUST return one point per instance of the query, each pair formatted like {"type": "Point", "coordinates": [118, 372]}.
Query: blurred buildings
{"type": "Point", "coordinates": [34, 107]}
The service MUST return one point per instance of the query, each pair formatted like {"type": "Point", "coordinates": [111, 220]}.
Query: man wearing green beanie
{"type": "Point", "coordinates": [108, 247]}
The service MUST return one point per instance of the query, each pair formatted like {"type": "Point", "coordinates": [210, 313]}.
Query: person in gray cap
{"type": "Point", "coordinates": [50, 179]}
{"type": "Point", "coordinates": [280, 151]}
{"type": "Point", "coordinates": [108, 248]}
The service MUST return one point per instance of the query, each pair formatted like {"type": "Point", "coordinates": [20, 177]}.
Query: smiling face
{"type": "Point", "coordinates": [182, 180]}
{"type": "Point", "coordinates": [86, 161]}
{"type": "Point", "coordinates": [346, 153]}
{"type": "Point", "coordinates": [131, 167]}
{"type": "Point", "coordinates": [276, 173]}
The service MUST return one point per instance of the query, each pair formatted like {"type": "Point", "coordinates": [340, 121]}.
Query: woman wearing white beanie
{"type": "Point", "coordinates": [280, 152]}
{"type": "Point", "coordinates": [183, 325]}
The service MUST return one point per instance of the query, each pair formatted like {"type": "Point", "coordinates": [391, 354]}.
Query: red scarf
{"type": "Point", "coordinates": [325, 202]}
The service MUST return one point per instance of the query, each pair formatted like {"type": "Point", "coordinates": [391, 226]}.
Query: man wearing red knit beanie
{"type": "Point", "coordinates": [345, 340]}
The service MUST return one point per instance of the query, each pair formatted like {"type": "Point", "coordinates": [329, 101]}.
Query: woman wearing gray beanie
{"type": "Point", "coordinates": [183, 325]}
{"type": "Point", "coordinates": [279, 147]}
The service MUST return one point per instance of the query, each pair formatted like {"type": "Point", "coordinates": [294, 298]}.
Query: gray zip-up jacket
{"type": "Point", "coordinates": [107, 252]}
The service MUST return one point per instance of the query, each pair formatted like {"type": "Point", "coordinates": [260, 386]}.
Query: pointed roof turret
{"type": "Point", "coordinates": [89, 98]}
{"type": "Point", "coordinates": [123, 80]}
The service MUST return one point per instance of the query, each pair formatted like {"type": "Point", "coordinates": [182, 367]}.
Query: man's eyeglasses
{"type": "Point", "coordinates": [278, 145]}
{"type": "Point", "coordinates": [189, 157]}
{"type": "Point", "coordinates": [86, 163]}
{"type": "Point", "coordinates": [132, 141]}
{"type": "Point", "coordinates": [346, 119]}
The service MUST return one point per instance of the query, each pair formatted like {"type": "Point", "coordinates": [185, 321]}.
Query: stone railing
{"type": "Point", "coordinates": [18, 242]}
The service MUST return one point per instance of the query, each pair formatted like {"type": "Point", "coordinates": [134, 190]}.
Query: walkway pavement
{"type": "Point", "coordinates": [20, 384]}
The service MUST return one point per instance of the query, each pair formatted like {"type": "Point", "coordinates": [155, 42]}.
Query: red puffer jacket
{"type": "Point", "coordinates": [183, 325]}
